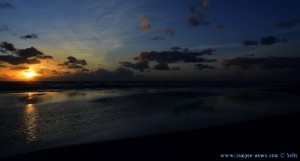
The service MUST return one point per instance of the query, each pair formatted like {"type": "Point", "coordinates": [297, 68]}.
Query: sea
{"type": "Point", "coordinates": [41, 115]}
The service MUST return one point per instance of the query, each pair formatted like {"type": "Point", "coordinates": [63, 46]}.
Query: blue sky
{"type": "Point", "coordinates": [106, 32]}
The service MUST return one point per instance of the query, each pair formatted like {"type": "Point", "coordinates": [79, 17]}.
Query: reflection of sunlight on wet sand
{"type": "Point", "coordinates": [30, 121]}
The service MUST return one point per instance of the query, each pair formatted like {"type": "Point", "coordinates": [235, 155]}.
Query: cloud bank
{"type": "Point", "coordinates": [16, 56]}
{"type": "Point", "coordinates": [164, 58]}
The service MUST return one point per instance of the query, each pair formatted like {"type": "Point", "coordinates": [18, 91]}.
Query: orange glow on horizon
{"type": "Point", "coordinates": [46, 69]}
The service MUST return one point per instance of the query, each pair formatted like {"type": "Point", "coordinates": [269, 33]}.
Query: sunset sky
{"type": "Point", "coordinates": [149, 40]}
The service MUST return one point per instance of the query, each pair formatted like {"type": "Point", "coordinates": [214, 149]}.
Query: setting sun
{"type": "Point", "coordinates": [29, 74]}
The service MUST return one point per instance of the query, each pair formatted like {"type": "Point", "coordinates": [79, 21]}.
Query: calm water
{"type": "Point", "coordinates": [37, 120]}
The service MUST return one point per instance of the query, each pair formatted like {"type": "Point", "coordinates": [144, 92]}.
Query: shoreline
{"type": "Point", "coordinates": [274, 134]}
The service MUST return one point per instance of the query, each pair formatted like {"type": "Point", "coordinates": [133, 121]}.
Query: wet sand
{"type": "Point", "coordinates": [275, 135]}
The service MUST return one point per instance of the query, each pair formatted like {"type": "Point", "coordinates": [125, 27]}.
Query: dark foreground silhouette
{"type": "Point", "coordinates": [276, 135]}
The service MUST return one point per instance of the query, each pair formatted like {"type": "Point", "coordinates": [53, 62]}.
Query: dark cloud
{"type": "Point", "coordinates": [208, 51]}
{"type": "Point", "coordinates": [265, 41]}
{"type": "Point", "coordinates": [19, 68]}
{"type": "Point", "coordinates": [161, 66]}
{"type": "Point", "coordinates": [7, 47]}
{"type": "Point", "coordinates": [175, 56]}
{"type": "Point", "coordinates": [197, 15]}
{"type": "Point", "coordinates": [32, 36]}
{"type": "Point", "coordinates": [6, 5]}
{"type": "Point", "coordinates": [269, 40]}
{"type": "Point", "coordinates": [185, 50]}
{"type": "Point", "coordinates": [202, 66]}
{"type": "Point", "coordinates": [4, 28]}
{"type": "Point", "coordinates": [250, 42]}
{"type": "Point", "coordinates": [14, 60]}
{"type": "Point", "coordinates": [249, 55]}
{"type": "Point", "coordinates": [29, 52]}
{"type": "Point", "coordinates": [288, 24]}
{"type": "Point", "coordinates": [175, 68]}
{"type": "Point", "coordinates": [74, 63]}
{"type": "Point", "coordinates": [170, 31]}
{"type": "Point", "coordinates": [164, 58]}
{"type": "Point", "coordinates": [123, 72]}
{"type": "Point", "coordinates": [75, 66]}
{"type": "Point", "coordinates": [220, 26]}
{"type": "Point", "coordinates": [156, 38]}
{"type": "Point", "coordinates": [264, 63]}
{"type": "Point", "coordinates": [175, 48]}
{"type": "Point", "coordinates": [44, 57]}
{"type": "Point", "coordinates": [242, 62]}
{"type": "Point", "coordinates": [55, 72]}
{"type": "Point", "coordinates": [73, 60]}
{"type": "Point", "coordinates": [21, 56]}
{"type": "Point", "coordinates": [140, 65]}
{"type": "Point", "coordinates": [85, 70]}
{"type": "Point", "coordinates": [2, 66]}
{"type": "Point", "coordinates": [194, 21]}
{"type": "Point", "coordinates": [144, 23]}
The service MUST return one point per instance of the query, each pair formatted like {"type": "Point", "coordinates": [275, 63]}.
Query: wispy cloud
{"type": "Point", "coordinates": [288, 24]}
{"type": "Point", "coordinates": [263, 63]}
{"type": "Point", "coordinates": [30, 36]}
{"type": "Point", "coordinates": [101, 74]}
{"type": "Point", "coordinates": [6, 5]}
{"type": "Point", "coordinates": [4, 28]}
{"type": "Point", "coordinates": [155, 38]}
{"type": "Point", "coordinates": [205, 4]}
{"type": "Point", "coordinates": [161, 66]}
{"type": "Point", "coordinates": [197, 20]}
{"type": "Point", "coordinates": [170, 31]}
{"type": "Point", "coordinates": [249, 42]}
{"type": "Point", "coordinates": [144, 23]}
{"type": "Point", "coordinates": [220, 26]}
{"type": "Point", "coordinates": [197, 15]}
{"type": "Point", "coordinates": [203, 66]}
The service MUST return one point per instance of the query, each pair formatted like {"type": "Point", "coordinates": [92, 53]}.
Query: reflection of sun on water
{"type": "Point", "coordinates": [30, 121]}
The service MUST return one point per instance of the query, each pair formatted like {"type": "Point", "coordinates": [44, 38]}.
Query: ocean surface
{"type": "Point", "coordinates": [39, 115]}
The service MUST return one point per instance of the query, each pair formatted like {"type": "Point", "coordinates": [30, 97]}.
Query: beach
{"type": "Point", "coordinates": [272, 135]}
{"type": "Point", "coordinates": [175, 120]}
